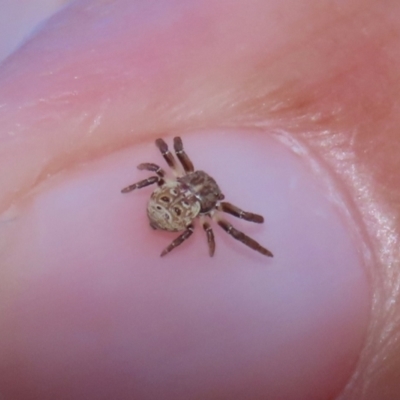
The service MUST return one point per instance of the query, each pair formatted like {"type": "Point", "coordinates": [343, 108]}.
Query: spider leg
{"type": "Point", "coordinates": [168, 156]}
{"type": "Point", "coordinates": [248, 241]}
{"type": "Point", "coordinates": [179, 240]}
{"type": "Point", "coordinates": [182, 156]}
{"type": "Point", "coordinates": [237, 212]}
{"type": "Point", "coordinates": [152, 167]}
{"type": "Point", "coordinates": [143, 183]}
{"type": "Point", "coordinates": [210, 236]}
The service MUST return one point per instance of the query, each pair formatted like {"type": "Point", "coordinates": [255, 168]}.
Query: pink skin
{"type": "Point", "coordinates": [89, 309]}
{"type": "Point", "coordinates": [104, 301]}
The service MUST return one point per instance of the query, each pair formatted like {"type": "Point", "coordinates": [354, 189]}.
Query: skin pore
{"type": "Point", "coordinates": [87, 95]}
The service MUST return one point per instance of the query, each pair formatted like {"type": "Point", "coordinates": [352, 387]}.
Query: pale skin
{"type": "Point", "coordinates": [327, 73]}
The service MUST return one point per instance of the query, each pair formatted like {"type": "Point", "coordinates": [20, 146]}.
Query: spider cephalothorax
{"type": "Point", "coordinates": [175, 204]}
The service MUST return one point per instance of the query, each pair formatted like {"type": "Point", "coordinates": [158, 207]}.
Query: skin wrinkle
{"type": "Point", "coordinates": [380, 218]}
{"type": "Point", "coordinates": [341, 160]}
{"type": "Point", "coordinates": [384, 290]}
{"type": "Point", "coordinates": [302, 113]}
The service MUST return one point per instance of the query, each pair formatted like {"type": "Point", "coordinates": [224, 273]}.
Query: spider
{"type": "Point", "coordinates": [175, 204]}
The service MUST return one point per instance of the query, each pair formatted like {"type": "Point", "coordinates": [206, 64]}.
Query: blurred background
{"type": "Point", "coordinates": [18, 19]}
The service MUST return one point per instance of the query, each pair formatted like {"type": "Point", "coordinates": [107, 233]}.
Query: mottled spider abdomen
{"type": "Point", "coordinates": [203, 187]}
{"type": "Point", "coordinates": [172, 209]}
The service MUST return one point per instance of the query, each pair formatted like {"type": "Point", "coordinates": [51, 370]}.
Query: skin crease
{"type": "Point", "coordinates": [326, 73]}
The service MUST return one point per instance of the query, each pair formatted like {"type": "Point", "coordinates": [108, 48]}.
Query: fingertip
{"type": "Point", "coordinates": [94, 270]}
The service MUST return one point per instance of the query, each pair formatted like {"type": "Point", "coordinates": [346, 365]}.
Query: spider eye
{"type": "Point", "coordinates": [174, 192]}
{"type": "Point", "coordinates": [165, 199]}
{"type": "Point", "coordinates": [177, 211]}
{"type": "Point", "coordinates": [158, 207]}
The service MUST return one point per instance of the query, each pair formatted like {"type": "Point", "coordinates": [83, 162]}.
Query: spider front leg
{"type": "Point", "coordinates": [182, 156]}
{"type": "Point", "coordinates": [143, 183]}
{"type": "Point", "coordinates": [237, 212]}
{"type": "Point", "coordinates": [179, 240]}
{"type": "Point", "coordinates": [159, 179]}
{"type": "Point", "coordinates": [152, 167]}
{"type": "Point", "coordinates": [168, 156]}
{"type": "Point", "coordinates": [241, 237]}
